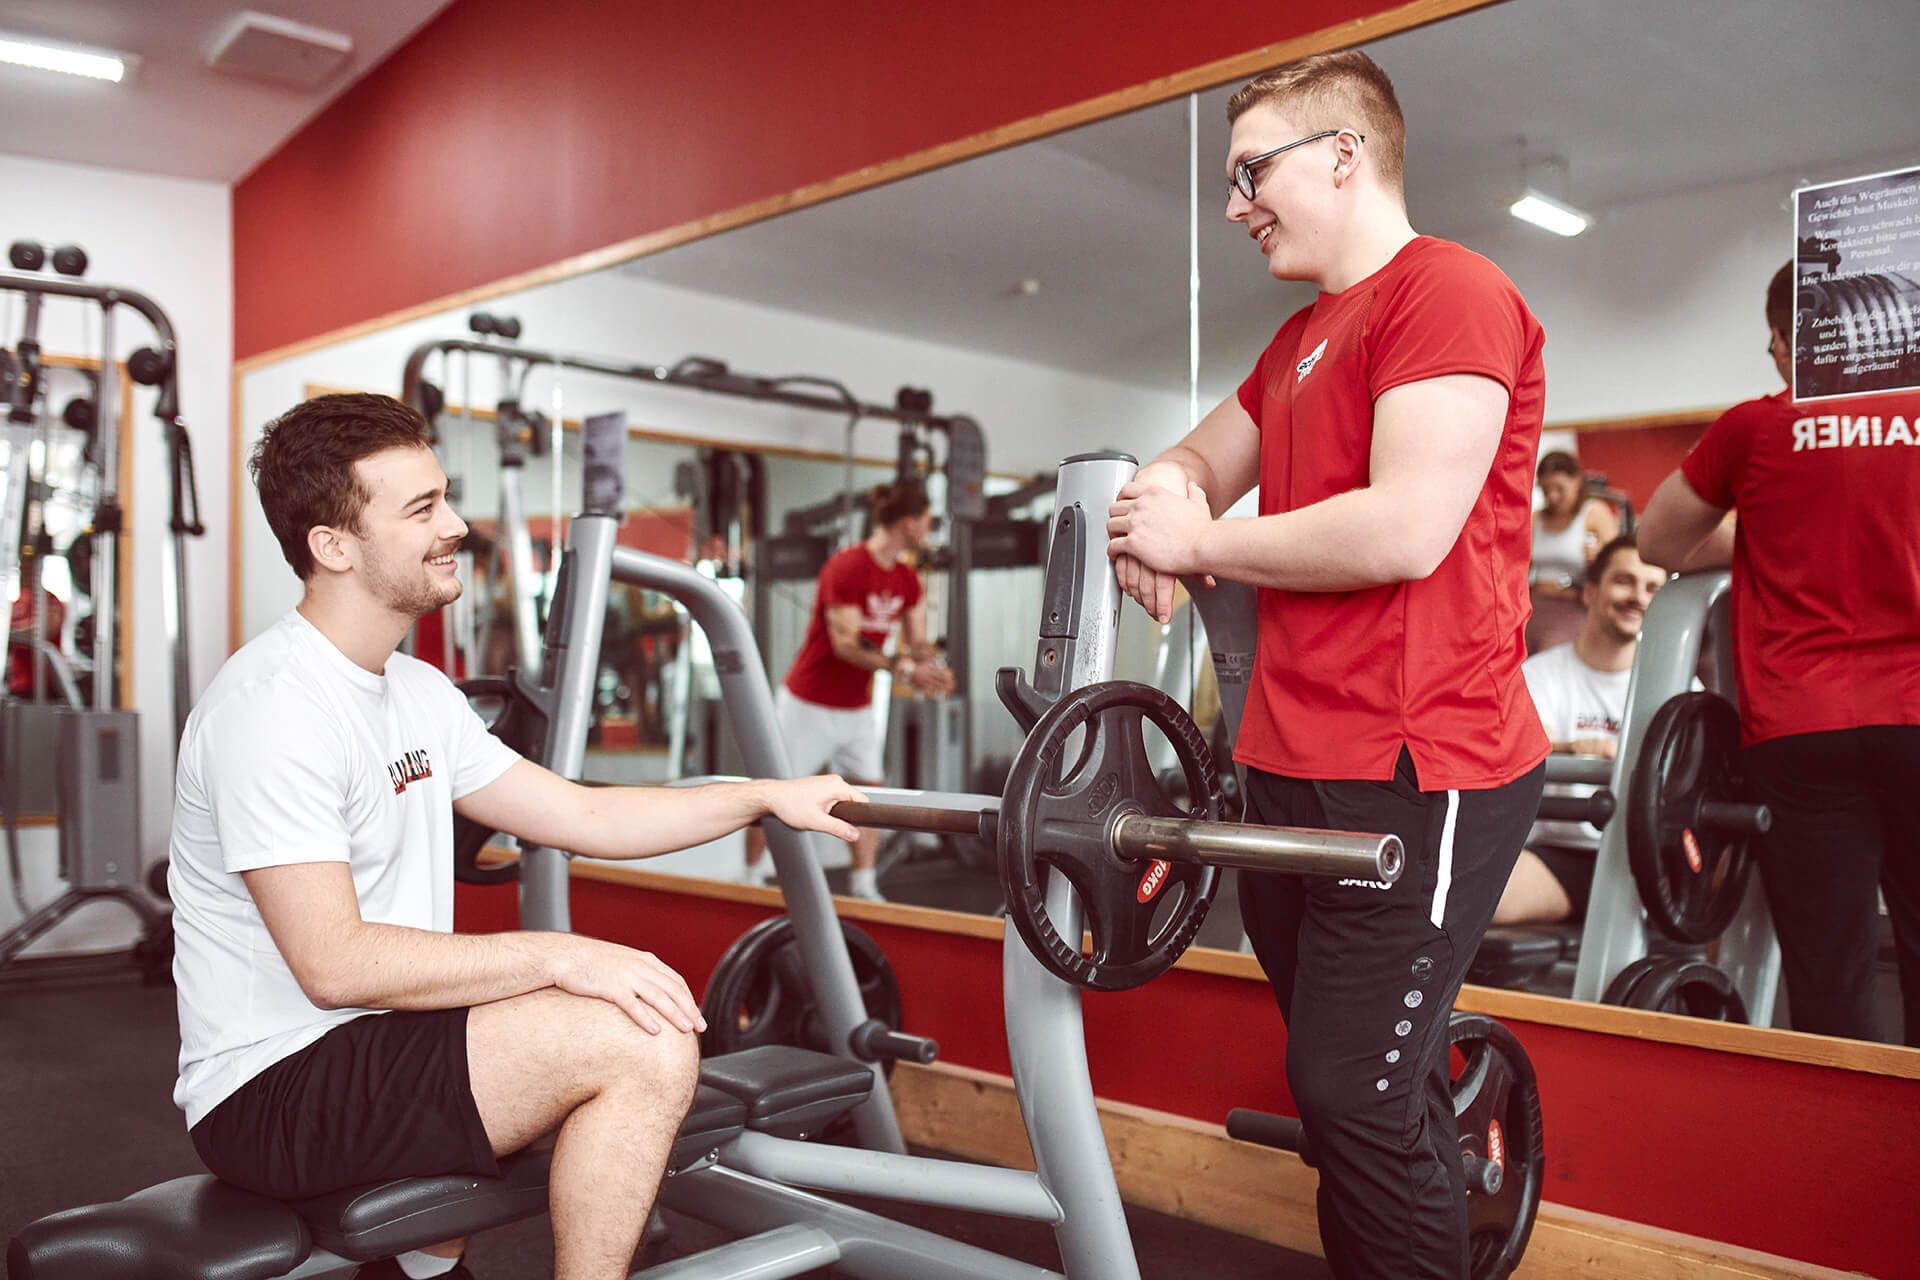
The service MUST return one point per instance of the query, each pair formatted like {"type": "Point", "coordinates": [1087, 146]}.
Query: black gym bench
{"type": "Point", "coordinates": [200, 1228]}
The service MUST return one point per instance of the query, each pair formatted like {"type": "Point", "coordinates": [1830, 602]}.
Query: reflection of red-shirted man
{"type": "Point", "coordinates": [825, 707]}
{"type": "Point", "coordinates": [1826, 653]}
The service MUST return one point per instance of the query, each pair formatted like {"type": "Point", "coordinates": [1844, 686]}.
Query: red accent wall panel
{"type": "Point", "coordinates": [510, 134]}
{"type": "Point", "coordinates": [1765, 1154]}
{"type": "Point", "coordinates": [1636, 459]}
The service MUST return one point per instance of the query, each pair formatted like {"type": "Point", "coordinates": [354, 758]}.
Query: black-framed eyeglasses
{"type": "Point", "coordinates": [1247, 185]}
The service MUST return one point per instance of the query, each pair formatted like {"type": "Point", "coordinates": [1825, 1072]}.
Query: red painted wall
{"type": "Point", "coordinates": [1635, 460]}
{"type": "Point", "coordinates": [510, 134]}
{"type": "Point", "coordinates": [1802, 1161]}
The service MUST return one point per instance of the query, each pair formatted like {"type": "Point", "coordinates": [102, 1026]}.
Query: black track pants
{"type": "Point", "coordinates": [1365, 977]}
{"type": "Point", "coordinates": [1846, 819]}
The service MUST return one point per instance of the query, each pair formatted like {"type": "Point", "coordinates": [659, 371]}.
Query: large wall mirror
{"type": "Point", "coordinates": [1083, 291]}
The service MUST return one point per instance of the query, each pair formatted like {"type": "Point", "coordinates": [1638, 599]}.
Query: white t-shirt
{"type": "Point", "coordinates": [295, 754]}
{"type": "Point", "coordinates": [1574, 702]}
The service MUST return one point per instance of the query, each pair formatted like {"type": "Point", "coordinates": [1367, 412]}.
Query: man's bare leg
{"type": "Point", "coordinates": [616, 1094]}
{"type": "Point", "coordinates": [1533, 895]}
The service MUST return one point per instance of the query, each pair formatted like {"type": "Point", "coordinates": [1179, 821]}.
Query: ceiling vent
{"type": "Point", "coordinates": [263, 47]}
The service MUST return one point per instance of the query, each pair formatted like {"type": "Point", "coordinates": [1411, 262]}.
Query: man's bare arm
{"type": "Point", "coordinates": [1433, 445]}
{"type": "Point", "coordinates": [1682, 531]}
{"type": "Point", "coordinates": [843, 633]}
{"type": "Point", "coordinates": [341, 961]}
{"type": "Point", "coordinates": [538, 805]}
{"type": "Point", "coordinates": [1221, 455]}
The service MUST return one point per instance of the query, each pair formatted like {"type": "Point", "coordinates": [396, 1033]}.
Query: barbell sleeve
{"type": "Point", "coordinates": [1296, 850]}
{"type": "Point", "coordinates": [913, 817]}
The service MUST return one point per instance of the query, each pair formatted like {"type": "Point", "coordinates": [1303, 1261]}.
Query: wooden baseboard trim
{"type": "Point", "coordinates": [1193, 1171]}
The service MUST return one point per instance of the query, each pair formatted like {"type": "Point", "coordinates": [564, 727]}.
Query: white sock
{"type": "Point", "coordinates": [422, 1265]}
{"type": "Point", "coordinates": [864, 880]}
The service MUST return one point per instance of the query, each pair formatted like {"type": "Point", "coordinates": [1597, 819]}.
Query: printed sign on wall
{"type": "Point", "coordinates": [1857, 309]}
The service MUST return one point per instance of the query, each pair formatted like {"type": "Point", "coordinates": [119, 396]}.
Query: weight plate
{"type": "Point", "coordinates": [1691, 875]}
{"type": "Point", "coordinates": [1496, 1108]}
{"type": "Point", "coordinates": [1680, 984]}
{"type": "Point", "coordinates": [760, 993]}
{"type": "Point", "coordinates": [1058, 816]}
{"type": "Point", "coordinates": [1620, 990]}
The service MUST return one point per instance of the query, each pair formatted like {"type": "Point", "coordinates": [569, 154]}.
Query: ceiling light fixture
{"type": "Point", "coordinates": [1552, 215]}
{"type": "Point", "coordinates": [73, 60]}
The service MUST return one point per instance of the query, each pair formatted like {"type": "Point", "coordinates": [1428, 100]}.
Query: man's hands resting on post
{"type": "Point", "coordinates": [1155, 528]}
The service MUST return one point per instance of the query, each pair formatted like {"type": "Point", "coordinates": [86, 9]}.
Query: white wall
{"type": "Point", "coordinates": [170, 239]}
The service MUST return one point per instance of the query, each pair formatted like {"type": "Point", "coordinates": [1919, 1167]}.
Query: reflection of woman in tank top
{"type": "Point", "coordinates": [1567, 530]}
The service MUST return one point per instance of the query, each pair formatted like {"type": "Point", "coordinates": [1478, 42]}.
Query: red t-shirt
{"type": "Point", "coordinates": [883, 596]}
{"type": "Point", "coordinates": [1826, 558]}
{"type": "Point", "coordinates": [1344, 679]}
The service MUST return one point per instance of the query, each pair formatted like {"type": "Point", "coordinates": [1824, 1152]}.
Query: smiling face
{"type": "Point", "coordinates": [1562, 493]}
{"type": "Point", "coordinates": [1291, 214]}
{"type": "Point", "coordinates": [1617, 603]}
{"type": "Point", "coordinates": [407, 534]}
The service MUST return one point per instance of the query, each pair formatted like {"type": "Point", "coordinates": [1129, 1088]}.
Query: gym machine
{"type": "Point", "coordinates": [95, 760]}
{"type": "Point", "coordinates": [1675, 875]}
{"type": "Point", "coordinates": [1672, 872]}
{"type": "Point", "coordinates": [1132, 866]}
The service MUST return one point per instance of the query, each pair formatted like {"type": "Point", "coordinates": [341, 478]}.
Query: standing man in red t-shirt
{"type": "Point", "coordinates": [1391, 427]}
{"type": "Point", "coordinates": [1826, 648]}
{"type": "Point", "coordinates": [825, 706]}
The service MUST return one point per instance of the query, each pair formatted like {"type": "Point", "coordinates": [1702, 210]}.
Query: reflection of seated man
{"type": "Point", "coordinates": [1581, 692]}
{"type": "Point", "coordinates": [825, 705]}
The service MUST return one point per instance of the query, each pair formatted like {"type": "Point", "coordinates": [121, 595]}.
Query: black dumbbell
{"type": "Point", "coordinates": [80, 414]}
{"type": "Point", "coordinates": [31, 255]}
{"type": "Point", "coordinates": [149, 366]}
{"type": "Point", "coordinates": [487, 324]}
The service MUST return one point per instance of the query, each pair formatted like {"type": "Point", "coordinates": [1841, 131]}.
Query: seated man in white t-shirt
{"type": "Point", "coordinates": [1580, 690]}
{"type": "Point", "coordinates": [333, 1029]}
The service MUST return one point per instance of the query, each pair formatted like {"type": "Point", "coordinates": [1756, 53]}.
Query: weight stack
{"type": "Point", "coordinates": [29, 772]}
{"type": "Point", "coordinates": [99, 798]}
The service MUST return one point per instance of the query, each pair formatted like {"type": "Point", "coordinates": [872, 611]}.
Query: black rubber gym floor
{"type": "Point", "coordinates": [86, 1114]}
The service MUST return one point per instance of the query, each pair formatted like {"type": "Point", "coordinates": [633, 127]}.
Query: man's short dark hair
{"type": "Point", "coordinates": [1559, 463]}
{"type": "Point", "coordinates": [1341, 90]}
{"type": "Point", "coordinates": [901, 501]}
{"type": "Point", "coordinates": [1597, 567]}
{"type": "Point", "coordinates": [1780, 301]}
{"type": "Point", "coordinates": [303, 464]}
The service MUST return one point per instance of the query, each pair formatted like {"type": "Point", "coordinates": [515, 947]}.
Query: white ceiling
{"type": "Point", "coordinates": [174, 115]}
{"type": "Point", "coordinates": [1643, 98]}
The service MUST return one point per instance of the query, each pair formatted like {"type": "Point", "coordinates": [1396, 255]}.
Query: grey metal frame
{"type": "Point", "coordinates": [753, 1183]}
{"type": "Point", "coordinates": [1616, 934]}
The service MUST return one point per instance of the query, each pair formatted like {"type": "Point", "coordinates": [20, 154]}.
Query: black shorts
{"type": "Point", "coordinates": [1573, 868]}
{"type": "Point", "coordinates": [383, 1096]}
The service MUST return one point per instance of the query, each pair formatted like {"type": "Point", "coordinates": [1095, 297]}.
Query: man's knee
{"type": "Point", "coordinates": [623, 1053]}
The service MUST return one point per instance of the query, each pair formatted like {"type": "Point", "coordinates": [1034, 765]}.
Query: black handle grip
{"type": "Point", "coordinates": [1269, 1130]}
{"type": "Point", "coordinates": [1596, 808]}
{"type": "Point", "coordinates": [1728, 815]}
{"type": "Point", "coordinates": [873, 1040]}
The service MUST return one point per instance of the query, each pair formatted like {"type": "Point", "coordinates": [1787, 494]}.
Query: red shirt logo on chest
{"type": "Point", "coordinates": [414, 766]}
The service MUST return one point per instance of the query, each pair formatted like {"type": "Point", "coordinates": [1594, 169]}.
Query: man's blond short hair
{"type": "Point", "coordinates": [1346, 90]}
